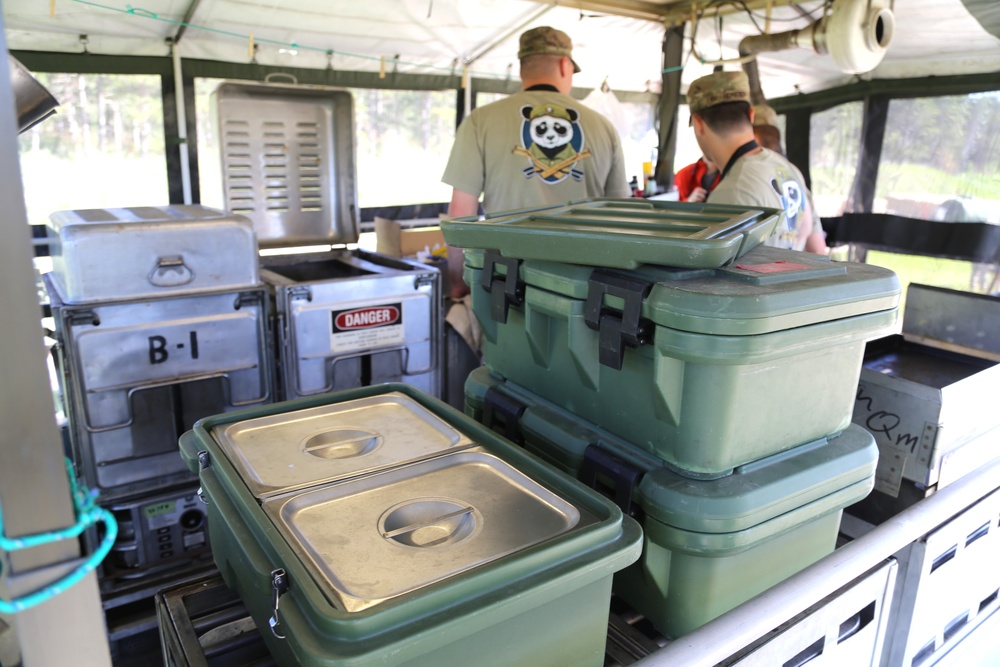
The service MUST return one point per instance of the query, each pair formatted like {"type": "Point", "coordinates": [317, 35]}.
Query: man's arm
{"type": "Point", "coordinates": [816, 241]}
{"type": "Point", "coordinates": [617, 183]}
{"type": "Point", "coordinates": [462, 204]}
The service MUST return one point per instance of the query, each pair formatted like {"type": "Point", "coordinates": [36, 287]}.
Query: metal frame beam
{"type": "Point", "coordinates": [188, 15]}
{"type": "Point", "coordinates": [34, 489]}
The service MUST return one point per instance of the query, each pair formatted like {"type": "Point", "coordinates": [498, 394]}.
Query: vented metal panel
{"type": "Point", "coordinates": [288, 161]}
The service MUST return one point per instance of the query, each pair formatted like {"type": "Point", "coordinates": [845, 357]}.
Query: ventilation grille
{"type": "Point", "coordinates": [273, 167]}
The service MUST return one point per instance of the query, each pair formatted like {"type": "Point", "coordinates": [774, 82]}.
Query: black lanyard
{"type": "Point", "coordinates": [740, 152]}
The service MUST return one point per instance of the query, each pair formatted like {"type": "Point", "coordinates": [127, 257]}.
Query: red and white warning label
{"type": "Point", "coordinates": [368, 327]}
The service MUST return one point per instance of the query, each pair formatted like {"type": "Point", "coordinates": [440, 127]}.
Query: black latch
{"type": "Point", "coordinates": [623, 475]}
{"type": "Point", "coordinates": [504, 290]}
{"type": "Point", "coordinates": [502, 414]}
{"type": "Point", "coordinates": [617, 329]}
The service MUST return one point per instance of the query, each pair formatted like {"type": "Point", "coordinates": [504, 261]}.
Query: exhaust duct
{"type": "Point", "coordinates": [855, 33]}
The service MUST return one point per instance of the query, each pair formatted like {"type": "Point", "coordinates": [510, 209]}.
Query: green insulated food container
{"type": "Point", "coordinates": [619, 233]}
{"type": "Point", "coordinates": [378, 526]}
{"type": "Point", "coordinates": [707, 369]}
{"type": "Point", "coordinates": [708, 545]}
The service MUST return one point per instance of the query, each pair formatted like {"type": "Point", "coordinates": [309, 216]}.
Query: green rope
{"type": "Point", "coordinates": [88, 513]}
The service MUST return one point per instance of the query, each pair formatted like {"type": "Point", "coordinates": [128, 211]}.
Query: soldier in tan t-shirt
{"type": "Point", "coordinates": [751, 175]}
{"type": "Point", "coordinates": [539, 147]}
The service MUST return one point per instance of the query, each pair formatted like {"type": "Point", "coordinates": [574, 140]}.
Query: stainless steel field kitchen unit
{"type": "Point", "coordinates": [345, 318]}
{"type": "Point", "coordinates": [380, 526]}
{"type": "Point", "coordinates": [160, 320]}
{"type": "Point", "coordinates": [707, 368]}
{"type": "Point", "coordinates": [929, 395]}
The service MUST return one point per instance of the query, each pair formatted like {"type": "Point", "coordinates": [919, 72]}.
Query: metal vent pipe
{"type": "Point", "coordinates": [855, 33]}
{"type": "Point", "coordinates": [751, 46]}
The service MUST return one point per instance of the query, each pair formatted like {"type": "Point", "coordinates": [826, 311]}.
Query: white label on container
{"type": "Point", "coordinates": [365, 328]}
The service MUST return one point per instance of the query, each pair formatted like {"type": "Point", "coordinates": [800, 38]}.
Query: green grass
{"type": "Point", "coordinates": [950, 273]}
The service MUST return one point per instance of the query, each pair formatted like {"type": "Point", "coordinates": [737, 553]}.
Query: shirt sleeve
{"type": "Point", "coordinates": [682, 180]}
{"type": "Point", "coordinates": [466, 170]}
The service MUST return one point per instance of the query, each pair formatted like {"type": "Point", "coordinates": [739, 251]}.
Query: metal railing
{"type": "Point", "coordinates": [718, 641]}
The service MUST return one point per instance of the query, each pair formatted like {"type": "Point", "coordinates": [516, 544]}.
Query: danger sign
{"type": "Point", "coordinates": [365, 328]}
{"type": "Point", "coordinates": [365, 318]}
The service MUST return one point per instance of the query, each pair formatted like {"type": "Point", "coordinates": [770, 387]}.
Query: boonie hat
{"type": "Point", "coordinates": [764, 116]}
{"type": "Point", "coordinates": [717, 88]}
{"type": "Point", "coordinates": [546, 41]}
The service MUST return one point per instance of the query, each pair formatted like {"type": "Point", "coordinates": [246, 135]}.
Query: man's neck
{"type": "Point", "coordinates": [542, 86]}
{"type": "Point", "coordinates": [727, 146]}
{"type": "Point", "coordinates": [531, 83]}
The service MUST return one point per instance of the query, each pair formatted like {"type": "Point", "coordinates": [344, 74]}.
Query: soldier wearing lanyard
{"type": "Point", "coordinates": [536, 148]}
{"type": "Point", "coordinates": [751, 176]}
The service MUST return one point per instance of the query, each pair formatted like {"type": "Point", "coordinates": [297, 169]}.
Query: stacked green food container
{"type": "Point", "coordinates": [713, 390]}
{"type": "Point", "coordinates": [378, 526]}
{"type": "Point", "coordinates": [708, 545]}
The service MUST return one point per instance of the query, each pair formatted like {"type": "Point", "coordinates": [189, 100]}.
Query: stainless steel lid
{"type": "Point", "coordinates": [292, 450]}
{"type": "Point", "coordinates": [378, 537]}
{"type": "Point", "coordinates": [288, 161]}
{"type": "Point", "coordinates": [150, 252]}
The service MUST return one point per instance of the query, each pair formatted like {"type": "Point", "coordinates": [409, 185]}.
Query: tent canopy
{"type": "Point", "coordinates": [618, 41]}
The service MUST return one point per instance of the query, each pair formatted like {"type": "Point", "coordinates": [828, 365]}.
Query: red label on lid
{"type": "Point", "coordinates": [772, 267]}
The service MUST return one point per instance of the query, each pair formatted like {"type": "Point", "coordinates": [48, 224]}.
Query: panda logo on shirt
{"type": "Point", "coordinates": [552, 140]}
{"type": "Point", "coordinates": [792, 201]}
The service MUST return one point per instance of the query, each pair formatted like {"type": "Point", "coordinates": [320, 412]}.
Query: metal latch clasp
{"type": "Point", "coordinates": [504, 290]}
{"type": "Point", "coordinates": [500, 410]}
{"type": "Point", "coordinates": [204, 461]}
{"type": "Point", "coordinates": [598, 462]}
{"type": "Point", "coordinates": [279, 586]}
{"type": "Point", "coordinates": [617, 329]}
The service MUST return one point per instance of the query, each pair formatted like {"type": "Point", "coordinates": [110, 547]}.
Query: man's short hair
{"type": "Point", "coordinates": [764, 115]}
{"type": "Point", "coordinates": [727, 117]}
{"type": "Point", "coordinates": [768, 136]}
{"type": "Point", "coordinates": [539, 65]}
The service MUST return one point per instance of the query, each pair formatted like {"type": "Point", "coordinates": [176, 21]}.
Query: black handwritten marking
{"type": "Point", "coordinates": [862, 397]}
{"type": "Point", "coordinates": [882, 422]}
{"type": "Point", "coordinates": [885, 423]}
{"type": "Point", "coordinates": [906, 439]}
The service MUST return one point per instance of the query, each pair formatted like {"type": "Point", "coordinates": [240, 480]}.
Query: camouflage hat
{"type": "Point", "coordinates": [764, 115]}
{"type": "Point", "coordinates": [717, 88]}
{"type": "Point", "coordinates": [546, 41]}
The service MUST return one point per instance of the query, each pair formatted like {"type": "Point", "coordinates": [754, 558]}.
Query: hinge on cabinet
{"type": "Point", "coordinates": [300, 292]}
{"type": "Point", "coordinates": [424, 279]}
{"type": "Point", "coordinates": [86, 316]}
{"type": "Point", "coordinates": [248, 299]}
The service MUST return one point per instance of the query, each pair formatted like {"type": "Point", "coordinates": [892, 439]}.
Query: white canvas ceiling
{"type": "Point", "coordinates": [439, 36]}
